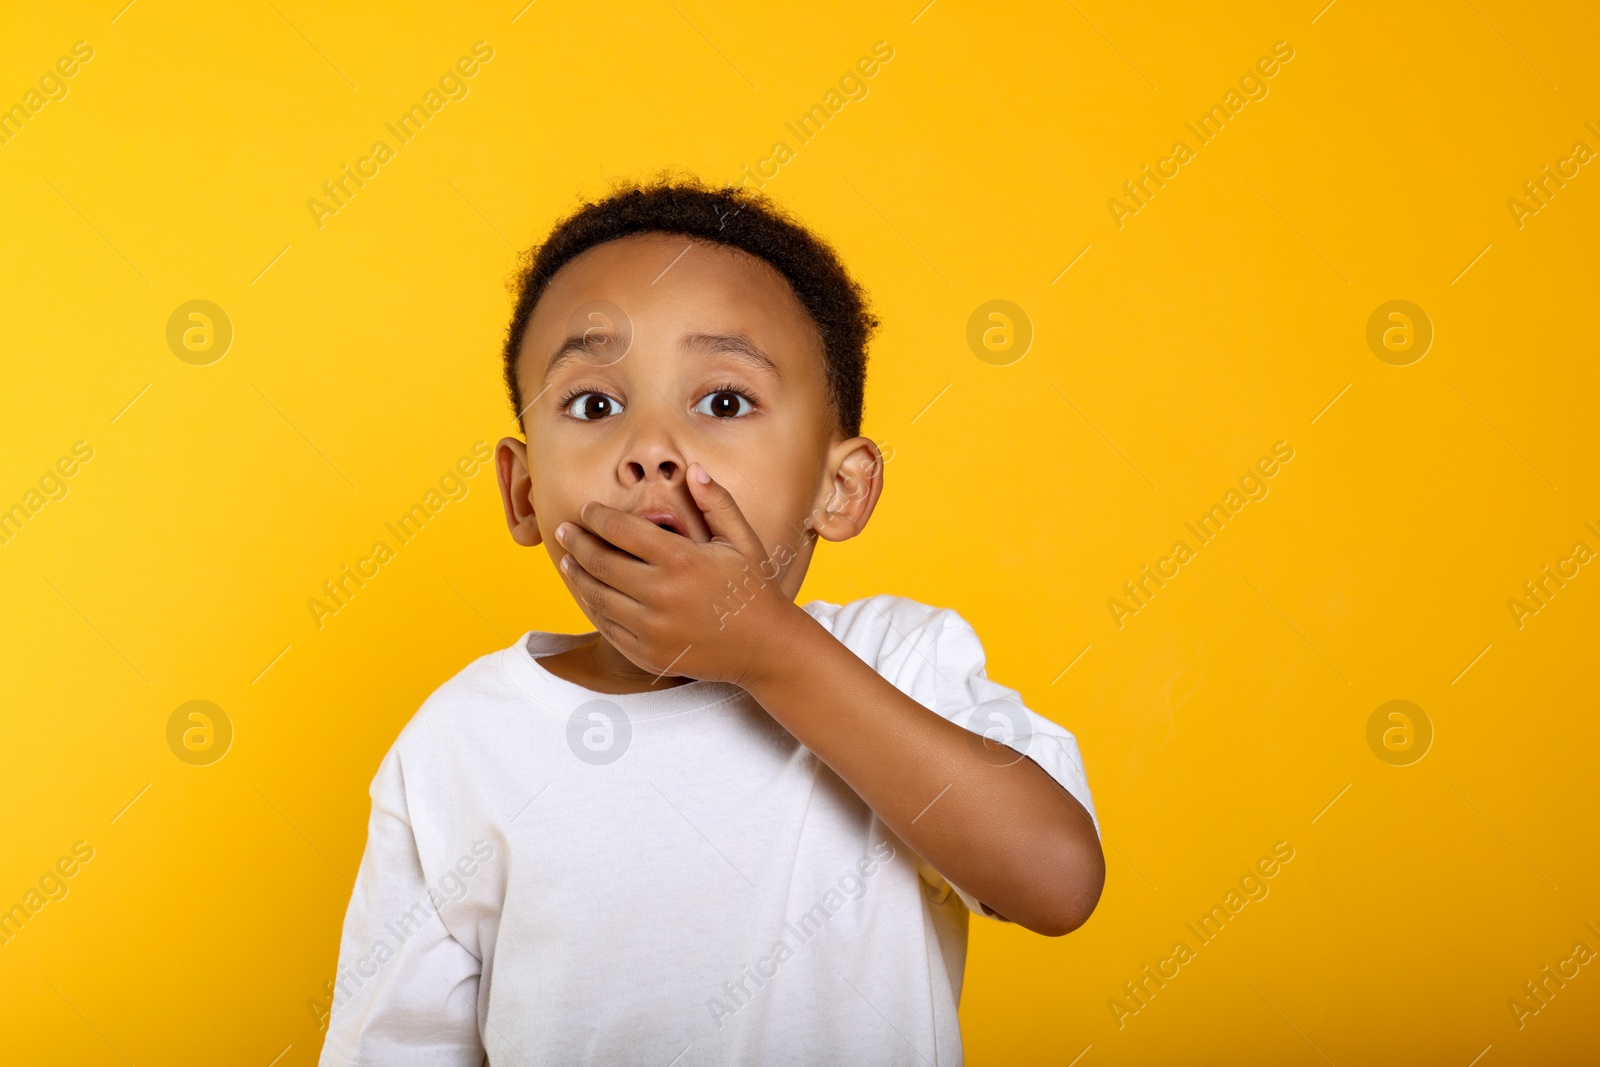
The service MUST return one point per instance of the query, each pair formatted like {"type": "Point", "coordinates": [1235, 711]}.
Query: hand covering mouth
{"type": "Point", "coordinates": [664, 519]}
{"type": "Point", "coordinates": [683, 521]}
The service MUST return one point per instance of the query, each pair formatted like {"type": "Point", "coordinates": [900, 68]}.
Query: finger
{"type": "Point", "coordinates": [630, 533]}
{"type": "Point", "coordinates": [602, 603]}
{"type": "Point", "coordinates": [632, 648]}
{"type": "Point", "coordinates": [618, 635]}
{"type": "Point", "coordinates": [600, 558]}
{"type": "Point", "coordinates": [723, 517]}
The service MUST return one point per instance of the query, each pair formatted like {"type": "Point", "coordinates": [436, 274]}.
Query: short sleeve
{"type": "Point", "coordinates": [405, 991]}
{"type": "Point", "coordinates": [963, 692]}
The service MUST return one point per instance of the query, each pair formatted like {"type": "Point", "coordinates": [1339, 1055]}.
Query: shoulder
{"type": "Point", "coordinates": [875, 615]}
{"type": "Point", "coordinates": [891, 632]}
{"type": "Point", "coordinates": [478, 689]}
{"type": "Point", "coordinates": [470, 703]}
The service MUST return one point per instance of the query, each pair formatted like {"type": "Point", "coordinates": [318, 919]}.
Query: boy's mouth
{"type": "Point", "coordinates": [667, 519]}
{"type": "Point", "coordinates": [669, 524]}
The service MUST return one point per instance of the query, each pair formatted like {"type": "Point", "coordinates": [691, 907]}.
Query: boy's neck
{"type": "Point", "coordinates": [597, 665]}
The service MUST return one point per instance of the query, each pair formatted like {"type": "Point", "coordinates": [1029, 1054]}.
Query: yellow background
{"type": "Point", "coordinates": [1223, 317]}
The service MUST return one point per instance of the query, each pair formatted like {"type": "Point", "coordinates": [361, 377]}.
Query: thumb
{"type": "Point", "coordinates": [723, 517]}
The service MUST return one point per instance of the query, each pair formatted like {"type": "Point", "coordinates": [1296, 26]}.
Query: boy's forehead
{"type": "Point", "coordinates": [670, 282]}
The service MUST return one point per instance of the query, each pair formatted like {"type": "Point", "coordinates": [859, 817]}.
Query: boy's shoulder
{"type": "Point", "coordinates": [902, 639]}
{"type": "Point", "coordinates": [876, 616]}
{"type": "Point", "coordinates": [462, 702]}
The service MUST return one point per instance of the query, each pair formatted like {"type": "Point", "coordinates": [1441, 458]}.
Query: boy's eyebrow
{"type": "Point", "coordinates": [734, 344]}
{"type": "Point", "coordinates": [593, 343]}
{"type": "Point", "coordinates": [589, 343]}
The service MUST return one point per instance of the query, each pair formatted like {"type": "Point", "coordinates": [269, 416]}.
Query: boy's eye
{"type": "Point", "coordinates": [725, 404]}
{"type": "Point", "coordinates": [592, 406]}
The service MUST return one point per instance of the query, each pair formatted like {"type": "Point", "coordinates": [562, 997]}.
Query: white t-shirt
{"type": "Point", "coordinates": [558, 876]}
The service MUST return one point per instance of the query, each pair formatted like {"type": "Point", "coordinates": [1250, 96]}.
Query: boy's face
{"type": "Point", "coordinates": [651, 352]}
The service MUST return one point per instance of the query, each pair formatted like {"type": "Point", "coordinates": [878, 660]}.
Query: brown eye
{"type": "Point", "coordinates": [725, 404]}
{"type": "Point", "coordinates": [592, 407]}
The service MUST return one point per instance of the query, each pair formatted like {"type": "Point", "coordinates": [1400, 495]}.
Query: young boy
{"type": "Point", "coordinates": [720, 828]}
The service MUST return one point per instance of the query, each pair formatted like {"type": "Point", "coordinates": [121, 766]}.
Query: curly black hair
{"type": "Point", "coordinates": [734, 216]}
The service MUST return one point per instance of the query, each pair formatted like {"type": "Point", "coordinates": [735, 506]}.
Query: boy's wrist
{"type": "Point", "coordinates": [787, 649]}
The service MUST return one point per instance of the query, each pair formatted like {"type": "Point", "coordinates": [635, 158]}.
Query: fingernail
{"type": "Point", "coordinates": [701, 476]}
{"type": "Point", "coordinates": [561, 533]}
{"type": "Point", "coordinates": [566, 564]}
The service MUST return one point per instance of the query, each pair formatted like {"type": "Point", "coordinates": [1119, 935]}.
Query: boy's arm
{"type": "Point", "coordinates": [1008, 835]}
{"type": "Point", "coordinates": [1004, 831]}
{"type": "Point", "coordinates": [405, 991]}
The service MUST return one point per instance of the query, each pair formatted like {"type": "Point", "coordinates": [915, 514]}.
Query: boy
{"type": "Point", "coordinates": [719, 827]}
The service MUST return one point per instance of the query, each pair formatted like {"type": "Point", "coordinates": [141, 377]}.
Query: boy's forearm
{"type": "Point", "coordinates": [1009, 835]}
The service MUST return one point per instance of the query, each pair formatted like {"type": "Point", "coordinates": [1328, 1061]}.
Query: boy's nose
{"type": "Point", "coordinates": [650, 452]}
{"type": "Point", "coordinates": [635, 472]}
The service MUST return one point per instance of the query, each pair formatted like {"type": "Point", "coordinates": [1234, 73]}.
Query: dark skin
{"type": "Point", "coordinates": [639, 439]}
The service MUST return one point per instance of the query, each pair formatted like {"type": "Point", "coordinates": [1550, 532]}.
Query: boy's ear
{"type": "Point", "coordinates": [855, 470]}
{"type": "Point", "coordinates": [516, 491]}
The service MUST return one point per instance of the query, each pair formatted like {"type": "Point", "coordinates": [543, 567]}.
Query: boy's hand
{"type": "Point", "coordinates": [665, 602]}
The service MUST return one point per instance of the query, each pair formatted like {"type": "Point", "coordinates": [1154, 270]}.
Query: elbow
{"type": "Point", "coordinates": [1078, 885]}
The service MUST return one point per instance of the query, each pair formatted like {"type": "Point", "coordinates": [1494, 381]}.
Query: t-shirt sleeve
{"type": "Point", "coordinates": [405, 991]}
{"type": "Point", "coordinates": [957, 686]}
